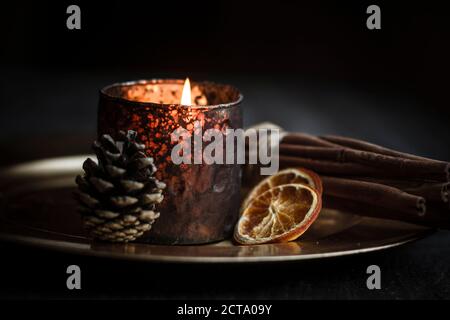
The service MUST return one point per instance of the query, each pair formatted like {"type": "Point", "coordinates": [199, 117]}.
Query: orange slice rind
{"type": "Point", "coordinates": [280, 214]}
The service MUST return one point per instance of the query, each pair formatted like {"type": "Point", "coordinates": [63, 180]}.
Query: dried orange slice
{"type": "Point", "coordinates": [286, 176]}
{"type": "Point", "coordinates": [280, 214]}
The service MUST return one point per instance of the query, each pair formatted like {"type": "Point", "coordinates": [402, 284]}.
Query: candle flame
{"type": "Point", "coordinates": [186, 95]}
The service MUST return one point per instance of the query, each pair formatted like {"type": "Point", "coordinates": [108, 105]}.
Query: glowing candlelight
{"type": "Point", "coordinates": [186, 94]}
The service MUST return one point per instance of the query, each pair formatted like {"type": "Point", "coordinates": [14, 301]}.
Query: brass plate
{"type": "Point", "coordinates": [37, 209]}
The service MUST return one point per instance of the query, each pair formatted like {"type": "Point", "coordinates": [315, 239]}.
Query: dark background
{"type": "Point", "coordinates": [310, 66]}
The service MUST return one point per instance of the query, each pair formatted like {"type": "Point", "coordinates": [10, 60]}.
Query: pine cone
{"type": "Point", "coordinates": [118, 196]}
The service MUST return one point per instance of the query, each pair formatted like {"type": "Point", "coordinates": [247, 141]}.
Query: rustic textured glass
{"type": "Point", "coordinates": [201, 201]}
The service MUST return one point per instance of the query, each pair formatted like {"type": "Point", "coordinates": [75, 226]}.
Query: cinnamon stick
{"type": "Point", "coordinates": [433, 191]}
{"type": "Point", "coordinates": [330, 167]}
{"type": "Point", "coordinates": [306, 140]}
{"type": "Point", "coordinates": [374, 194]}
{"type": "Point", "coordinates": [432, 218]}
{"type": "Point", "coordinates": [349, 169]}
{"type": "Point", "coordinates": [312, 152]}
{"type": "Point", "coordinates": [419, 169]}
{"type": "Point", "coordinates": [367, 146]}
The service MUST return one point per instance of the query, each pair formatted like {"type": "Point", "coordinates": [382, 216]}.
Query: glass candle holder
{"type": "Point", "coordinates": [201, 201]}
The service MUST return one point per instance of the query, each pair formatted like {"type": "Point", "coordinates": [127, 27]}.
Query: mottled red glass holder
{"type": "Point", "coordinates": [201, 202]}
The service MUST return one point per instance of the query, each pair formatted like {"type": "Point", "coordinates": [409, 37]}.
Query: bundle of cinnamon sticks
{"type": "Point", "coordinates": [371, 180]}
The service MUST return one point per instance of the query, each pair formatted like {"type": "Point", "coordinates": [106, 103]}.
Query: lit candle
{"type": "Point", "coordinates": [201, 200]}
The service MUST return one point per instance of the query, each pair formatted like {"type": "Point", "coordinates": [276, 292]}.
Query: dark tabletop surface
{"type": "Point", "coordinates": [416, 271]}
{"type": "Point", "coordinates": [61, 121]}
